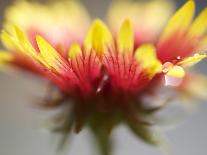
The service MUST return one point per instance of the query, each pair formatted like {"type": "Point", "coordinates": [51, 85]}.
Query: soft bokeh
{"type": "Point", "coordinates": [20, 122]}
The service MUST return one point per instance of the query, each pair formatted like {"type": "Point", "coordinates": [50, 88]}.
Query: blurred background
{"type": "Point", "coordinates": [20, 132]}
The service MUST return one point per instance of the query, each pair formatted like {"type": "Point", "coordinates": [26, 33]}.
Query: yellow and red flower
{"type": "Point", "coordinates": [106, 76]}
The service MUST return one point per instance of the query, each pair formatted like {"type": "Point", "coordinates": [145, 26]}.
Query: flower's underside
{"type": "Point", "coordinates": [105, 73]}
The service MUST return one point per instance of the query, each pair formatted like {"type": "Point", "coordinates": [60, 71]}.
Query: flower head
{"type": "Point", "coordinates": [100, 59]}
{"type": "Point", "coordinates": [106, 76]}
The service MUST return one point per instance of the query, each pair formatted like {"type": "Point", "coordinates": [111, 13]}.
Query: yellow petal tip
{"type": "Point", "coordinates": [98, 38]}
{"type": "Point", "coordinates": [181, 20]}
{"type": "Point", "coordinates": [145, 55]}
{"type": "Point", "coordinates": [190, 61]}
{"type": "Point", "coordinates": [74, 51]}
{"type": "Point", "coordinates": [176, 71]}
{"type": "Point", "coordinates": [125, 39]}
{"type": "Point", "coordinates": [5, 57]}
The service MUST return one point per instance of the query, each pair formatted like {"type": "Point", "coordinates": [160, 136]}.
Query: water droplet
{"type": "Point", "coordinates": [178, 57]}
{"type": "Point", "coordinates": [172, 81]}
{"type": "Point", "coordinates": [166, 67]}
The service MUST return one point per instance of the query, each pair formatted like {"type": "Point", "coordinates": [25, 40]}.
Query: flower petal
{"type": "Point", "coordinates": [48, 56]}
{"type": "Point", "coordinates": [203, 43]}
{"type": "Point", "coordinates": [74, 51]}
{"type": "Point", "coordinates": [199, 26]}
{"type": "Point", "coordinates": [147, 17]}
{"type": "Point", "coordinates": [181, 20]}
{"type": "Point", "coordinates": [11, 42]}
{"type": "Point", "coordinates": [5, 57]}
{"type": "Point", "coordinates": [99, 38]}
{"type": "Point", "coordinates": [196, 85]}
{"type": "Point", "coordinates": [145, 55]}
{"type": "Point", "coordinates": [24, 43]}
{"type": "Point", "coordinates": [60, 18]}
{"type": "Point", "coordinates": [125, 38]}
{"type": "Point", "coordinates": [176, 71]}
{"type": "Point", "coordinates": [190, 61]}
{"type": "Point", "coordinates": [7, 41]}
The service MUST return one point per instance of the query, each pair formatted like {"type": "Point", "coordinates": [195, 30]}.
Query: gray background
{"type": "Point", "coordinates": [20, 132]}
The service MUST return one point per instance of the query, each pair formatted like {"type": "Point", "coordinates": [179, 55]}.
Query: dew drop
{"type": "Point", "coordinates": [166, 67]}
{"type": "Point", "coordinates": [172, 81]}
{"type": "Point", "coordinates": [178, 57]}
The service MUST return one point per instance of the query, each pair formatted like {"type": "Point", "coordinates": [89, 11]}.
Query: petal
{"type": "Point", "coordinates": [99, 38]}
{"type": "Point", "coordinates": [181, 20]}
{"type": "Point", "coordinates": [19, 42]}
{"type": "Point", "coordinates": [147, 17]}
{"type": "Point", "coordinates": [5, 57]}
{"type": "Point", "coordinates": [7, 41]}
{"type": "Point", "coordinates": [190, 61]}
{"type": "Point", "coordinates": [196, 84]}
{"type": "Point", "coordinates": [176, 71]}
{"type": "Point", "coordinates": [11, 42]}
{"type": "Point", "coordinates": [24, 43]}
{"type": "Point", "coordinates": [53, 18]}
{"type": "Point", "coordinates": [199, 26]}
{"type": "Point", "coordinates": [48, 56]}
{"type": "Point", "coordinates": [203, 43]}
{"type": "Point", "coordinates": [16, 40]}
{"type": "Point", "coordinates": [125, 38]}
{"type": "Point", "coordinates": [175, 76]}
{"type": "Point", "coordinates": [145, 55]}
{"type": "Point", "coordinates": [74, 51]}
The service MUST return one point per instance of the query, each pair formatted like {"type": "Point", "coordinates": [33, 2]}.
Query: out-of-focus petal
{"type": "Point", "coordinates": [195, 85]}
{"type": "Point", "coordinates": [199, 26]}
{"type": "Point", "coordinates": [60, 22]}
{"type": "Point", "coordinates": [16, 40]}
{"type": "Point", "coordinates": [74, 51]}
{"type": "Point", "coordinates": [182, 38]}
{"type": "Point", "coordinates": [190, 61]}
{"type": "Point", "coordinates": [7, 41]}
{"type": "Point", "coordinates": [24, 43]}
{"type": "Point", "coordinates": [49, 56]}
{"type": "Point", "coordinates": [125, 38]}
{"type": "Point", "coordinates": [180, 21]}
{"type": "Point", "coordinates": [99, 38]}
{"type": "Point", "coordinates": [147, 17]}
{"type": "Point", "coordinates": [5, 57]}
{"type": "Point", "coordinates": [203, 44]}
{"type": "Point", "coordinates": [145, 55]}
{"type": "Point", "coordinates": [176, 71]}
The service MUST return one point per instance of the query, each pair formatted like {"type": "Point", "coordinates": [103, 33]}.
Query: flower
{"type": "Point", "coordinates": [182, 36]}
{"type": "Point", "coordinates": [87, 68]}
{"type": "Point", "coordinates": [106, 77]}
{"type": "Point", "coordinates": [182, 39]}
